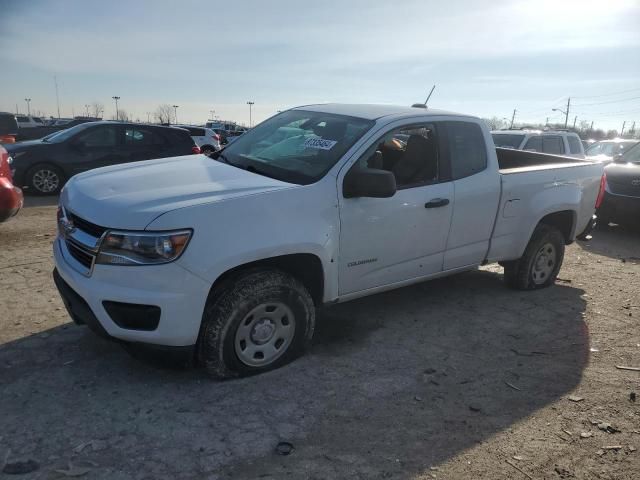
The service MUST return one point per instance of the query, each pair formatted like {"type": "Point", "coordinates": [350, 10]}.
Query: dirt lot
{"type": "Point", "coordinates": [456, 378]}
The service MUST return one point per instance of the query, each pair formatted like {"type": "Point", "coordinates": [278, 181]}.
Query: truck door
{"type": "Point", "coordinates": [476, 195]}
{"type": "Point", "coordinates": [389, 240]}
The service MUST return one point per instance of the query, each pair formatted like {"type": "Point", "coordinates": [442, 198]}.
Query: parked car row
{"type": "Point", "coordinates": [43, 166]}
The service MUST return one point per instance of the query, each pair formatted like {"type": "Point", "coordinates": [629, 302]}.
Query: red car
{"type": "Point", "coordinates": [10, 197]}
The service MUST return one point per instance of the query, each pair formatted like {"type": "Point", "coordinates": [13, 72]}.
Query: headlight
{"type": "Point", "coordinates": [141, 248]}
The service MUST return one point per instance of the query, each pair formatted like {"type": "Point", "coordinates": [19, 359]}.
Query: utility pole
{"type": "Point", "coordinates": [148, 117]}
{"type": "Point", "coordinates": [55, 81]}
{"type": "Point", "coordinates": [116, 98]}
{"type": "Point", "coordinates": [591, 127]}
{"type": "Point", "coordinates": [175, 112]}
{"type": "Point", "coordinates": [251, 104]}
{"type": "Point", "coordinates": [633, 128]}
{"type": "Point", "coordinates": [546, 122]}
{"type": "Point", "coordinates": [623, 124]}
{"type": "Point", "coordinates": [28, 100]}
{"type": "Point", "coordinates": [574, 121]}
{"type": "Point", "coordinates": [212, 113]}
{"type": "Point", "coordinates": [86, 106]}
{"type": "Point", "coordinates": [513, 117]}
{"type": "Point", "coordinates": [566, 115]}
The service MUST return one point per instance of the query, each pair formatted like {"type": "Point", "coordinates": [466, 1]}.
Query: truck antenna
{"type": "Point", "coordinates": [430, 93]}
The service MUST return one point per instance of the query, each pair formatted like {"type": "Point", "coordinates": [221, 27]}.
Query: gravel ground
{"type": "Point", "coordinates": [454, 378]}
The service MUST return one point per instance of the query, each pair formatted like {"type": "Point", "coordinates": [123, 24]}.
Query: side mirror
{"type": "Point", "coordinates": [618, 158]}
{"type": "Point", "coordinates": [369, 182]}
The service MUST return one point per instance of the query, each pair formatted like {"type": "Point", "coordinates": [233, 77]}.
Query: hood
{"type": "Point", "coordinates": [131, 196]}
{"type": "Point", "coordinates": [26, 145]}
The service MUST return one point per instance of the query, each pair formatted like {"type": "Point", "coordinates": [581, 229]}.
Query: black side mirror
{"type": "Point", "coordinates": [618, 158]}
{"type": "Point", "coordinates": [369, 182]}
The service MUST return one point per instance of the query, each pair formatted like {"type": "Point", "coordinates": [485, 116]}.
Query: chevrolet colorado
{"type": "Point", "coordinates": [229, 256]}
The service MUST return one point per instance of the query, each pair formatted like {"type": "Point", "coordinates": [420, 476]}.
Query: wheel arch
{"type": "Point", "coordinates": [306, 267]}
{"type": "Point", "coordinates": [564, 221]}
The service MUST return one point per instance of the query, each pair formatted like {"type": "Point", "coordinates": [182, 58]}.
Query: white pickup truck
{"type": "Point", "coordinates": [228, 257]}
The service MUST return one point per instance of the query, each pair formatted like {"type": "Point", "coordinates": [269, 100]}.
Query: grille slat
{"type": "Point", "coordinates": [86, 226]}
{"type": "Point", "coordinates": [83, 257]}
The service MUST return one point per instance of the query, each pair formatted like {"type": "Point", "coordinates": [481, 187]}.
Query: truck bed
{"type": "Point", "coordinates": [514, 161]}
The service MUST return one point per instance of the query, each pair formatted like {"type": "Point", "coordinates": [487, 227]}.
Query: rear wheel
{"type": "Point", "coordinates": [45, 179]}
{"type": "Point", "coordinates": [541, 262]}
{"type": "Point", "coordinates": [257, 321]}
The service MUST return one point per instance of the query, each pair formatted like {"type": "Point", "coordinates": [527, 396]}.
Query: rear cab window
{"type": "Point", "coordinates": [467, 149]}
{"type": "Point", "coordinates": [552, 144]}
{"type": "Point", "coordinates": [506, 140]}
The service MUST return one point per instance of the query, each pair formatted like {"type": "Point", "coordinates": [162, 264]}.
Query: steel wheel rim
{"type": "Point", "coordinates": [544, 263]}
{"type": "Point", "coordinates": [46, 181]}
{"type": "Point", "coordinates": [265, 334]}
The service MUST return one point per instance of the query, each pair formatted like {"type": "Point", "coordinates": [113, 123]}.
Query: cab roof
{"type": "Point", "coordinates": [374, 111]}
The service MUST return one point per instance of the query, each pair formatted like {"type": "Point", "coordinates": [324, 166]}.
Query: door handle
{"type": "Point", "coordinates": [437, 202]}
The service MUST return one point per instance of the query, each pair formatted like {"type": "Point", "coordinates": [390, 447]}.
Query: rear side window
{"type": "Point", "coordinates": [552, 144]}
{"type": "Point", "coordinates": [105, 136]}
{"type": "Point", "coordinates": [534, 143]}
{"type": "Point", "coordinates": [574, 144]}
{"type": "Point", "coordinates": [142, 136]}
{"type": "Point", "coordinates": [467, 149]}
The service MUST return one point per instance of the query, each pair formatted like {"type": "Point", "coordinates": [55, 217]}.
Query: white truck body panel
{"type": "Point", "coordinates": [239, 217]}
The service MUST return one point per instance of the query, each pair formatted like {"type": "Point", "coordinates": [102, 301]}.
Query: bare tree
{"type": "Point", "coordinates": [123, 116]}
{"type": "Point", "coordinates": [495, 123]}
{"type": "Point", "coordinates": [164, 113]}
{"type": "Point", "coordinates": [96, 109]}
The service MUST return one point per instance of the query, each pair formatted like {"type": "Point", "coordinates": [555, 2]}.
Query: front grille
{"type": "Point", "coordinates": [86, 226]}
{"type": "Point", "coordinates": [624, 188]}
{"type": "Point", "coordinates": [82, 256]}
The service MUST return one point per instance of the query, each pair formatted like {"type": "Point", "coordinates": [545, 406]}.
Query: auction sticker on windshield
{"type": "Point", "coordinates": [319, 143]}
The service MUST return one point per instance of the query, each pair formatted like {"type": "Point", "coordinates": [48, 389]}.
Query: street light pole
{"type": "Point", "coordinates": [116, 100]}
{"type": "Point", "coordinates": [513, 117]}
{"type": "Point", "coordinates": [87, 108]}
{"type": "Point", "coordinates": [251, 104]}
{"type": "Point", "coordinates": [175, 112]}
{"type": "Point", "coordinates": [28, 100]}
{"type": "Point", "coordinates": [212, 112]}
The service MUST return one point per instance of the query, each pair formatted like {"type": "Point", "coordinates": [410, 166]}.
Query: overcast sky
{"type": "Point", "coordinates": [486, 57]}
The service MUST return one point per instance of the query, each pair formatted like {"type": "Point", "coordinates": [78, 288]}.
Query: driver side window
{"type": "Point", "coordinates": [411, 153]}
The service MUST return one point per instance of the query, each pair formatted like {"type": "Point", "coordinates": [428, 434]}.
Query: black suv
{"type": "Point", "coordinates": [43, 166]}
{"type": "Point", "coordinates": [8, 127]}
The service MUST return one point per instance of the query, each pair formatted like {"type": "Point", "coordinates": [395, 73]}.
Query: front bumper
{"type": "Point", "coordinates": [179, 294]}
{"type": "Point", "coordinates": [11, 199]}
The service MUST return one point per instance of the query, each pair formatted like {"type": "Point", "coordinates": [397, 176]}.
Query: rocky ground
{"type": "Point", "coordinates": [454, 378]}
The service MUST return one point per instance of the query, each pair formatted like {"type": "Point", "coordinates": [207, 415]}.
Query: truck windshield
{"type": "Point", "coordinates": [296, 146]}
{"type": "Point", "coordinates": [507, 140]}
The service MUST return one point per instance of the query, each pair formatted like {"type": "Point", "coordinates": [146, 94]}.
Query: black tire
{"type": "Point", "coordinates": [526, 273]}
{"type": "Point", "coordinates": [207, 150]}
{"type": "Point", "coordinates": [37, 186]}
{"type": "Point", "coordinates": [231, 307]}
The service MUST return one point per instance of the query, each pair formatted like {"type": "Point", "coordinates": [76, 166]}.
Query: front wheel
{"type": "Point", "coordinates": [45, 179]}
{"type": "Point", "coordinates": [256, 322]}
{"type": "Point", "coordinates": [541, 262]}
